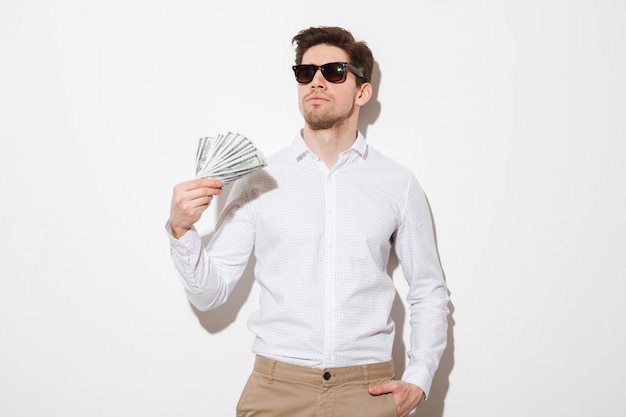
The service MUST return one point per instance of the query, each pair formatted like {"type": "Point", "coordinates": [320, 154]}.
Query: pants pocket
{"type": "Point", "coordinates": [244, 408]}
{"type": "Point", "coordinates": [393, 409]}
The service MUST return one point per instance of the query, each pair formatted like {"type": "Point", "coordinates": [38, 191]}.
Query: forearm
{"type": "Point", "coordinates": [204, 288]}
{"type": "Point", "coordinates": [428, 339]}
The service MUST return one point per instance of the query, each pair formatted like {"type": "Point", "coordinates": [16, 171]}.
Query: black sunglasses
{"type": "Point", "coordinates": [335, 72]}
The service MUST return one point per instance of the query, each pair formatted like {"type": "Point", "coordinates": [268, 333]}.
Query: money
{"type": "Point", "coordinates": [227, 157]}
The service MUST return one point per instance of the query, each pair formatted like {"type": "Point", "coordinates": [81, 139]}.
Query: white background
{"type": "Point", "coordinates": [511, 114]}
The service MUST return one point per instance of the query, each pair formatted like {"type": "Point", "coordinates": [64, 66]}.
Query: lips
{"type": "Point", "coordinates": [316, 98]}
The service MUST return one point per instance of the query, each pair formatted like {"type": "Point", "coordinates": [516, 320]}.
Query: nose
{"type": "Point", "coordinates": [318, 80]}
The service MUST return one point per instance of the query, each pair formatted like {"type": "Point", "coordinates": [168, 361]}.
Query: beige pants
{"type": "Point", "coordinates": [278, 389]}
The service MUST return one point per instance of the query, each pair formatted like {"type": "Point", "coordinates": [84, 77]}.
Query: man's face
{"type": "Point", "coordinates": [323, 104]}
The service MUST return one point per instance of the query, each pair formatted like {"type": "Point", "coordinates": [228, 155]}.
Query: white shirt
{"type": "Point", "coordinates": [322, 241]}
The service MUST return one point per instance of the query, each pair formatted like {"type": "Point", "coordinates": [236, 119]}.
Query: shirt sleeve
{"type": "Point", "coordinates": [427, 295]}
{"type": "Point", "coordinates": [210, 274]}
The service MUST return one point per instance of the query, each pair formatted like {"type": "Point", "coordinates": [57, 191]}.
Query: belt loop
{"type": "Point", "coordinates": [366, 376]}
{"type": "Point", "coordinates": [271, 372]}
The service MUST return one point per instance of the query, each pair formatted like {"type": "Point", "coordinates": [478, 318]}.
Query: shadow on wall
{"type": "Point", "coordinates": [221, 317]}
{"type": "Point", "coordinates": [370, 112]}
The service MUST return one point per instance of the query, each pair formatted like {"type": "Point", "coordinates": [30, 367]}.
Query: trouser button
{"type": "Point", "coordinates": [326, 376]}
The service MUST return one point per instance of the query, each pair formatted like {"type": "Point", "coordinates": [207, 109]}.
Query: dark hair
{"type": "Point", "coordinates": [358, 52]}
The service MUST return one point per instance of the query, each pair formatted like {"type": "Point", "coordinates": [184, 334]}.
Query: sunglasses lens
{"type": "Point", "coordinates": [304, 73]}
{"type": "Point", "coordinates": [334, 72]}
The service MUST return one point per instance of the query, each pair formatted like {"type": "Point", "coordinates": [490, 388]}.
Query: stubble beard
{"type": "Point", "coordinates": [322, 120]}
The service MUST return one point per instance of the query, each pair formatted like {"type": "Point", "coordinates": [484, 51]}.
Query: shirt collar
{"type": "Point", "coordinates": [301, 150]}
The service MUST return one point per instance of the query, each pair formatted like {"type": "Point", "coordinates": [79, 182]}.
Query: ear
{"type": "Point", "coordinates": [364, 95]}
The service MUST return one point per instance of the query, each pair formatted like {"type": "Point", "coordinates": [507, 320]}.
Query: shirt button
{"type": "Point", "coordinates": [326, 376]}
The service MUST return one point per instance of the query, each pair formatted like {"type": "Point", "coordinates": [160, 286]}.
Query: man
{"type": "Point", "coordinates": [322, 218]}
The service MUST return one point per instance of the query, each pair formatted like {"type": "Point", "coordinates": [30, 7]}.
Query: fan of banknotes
{"type": "Point", "coordinates": [227, 157]}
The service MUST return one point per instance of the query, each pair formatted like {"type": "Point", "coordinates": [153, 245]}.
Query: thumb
{"type": "Point", "coordinates": [379, 389]}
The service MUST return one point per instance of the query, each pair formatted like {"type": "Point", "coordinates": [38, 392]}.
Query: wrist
{"type": "Point", "coordinates": [179, 232]}
{"type": "Point", "coordinates": [176, 230]}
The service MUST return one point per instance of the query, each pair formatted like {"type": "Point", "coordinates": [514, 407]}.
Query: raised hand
{"type": "Point", "coordinates": [189, 200]}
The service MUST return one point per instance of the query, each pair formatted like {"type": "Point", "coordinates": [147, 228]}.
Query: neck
{"type": "Point", "coordinates": [329, 143]}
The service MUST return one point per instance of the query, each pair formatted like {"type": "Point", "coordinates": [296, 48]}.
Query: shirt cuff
{"type": "Point", "coordinates": [418, 375]}
{"type": "Point", "coordinates": [190, 240]}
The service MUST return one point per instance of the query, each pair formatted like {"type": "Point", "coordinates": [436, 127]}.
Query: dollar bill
{"type": "Point", "coordinates": [227, 157]}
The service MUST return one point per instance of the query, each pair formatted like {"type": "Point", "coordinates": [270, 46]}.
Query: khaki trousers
{"type": "Point", "coordinates": [278, 389]}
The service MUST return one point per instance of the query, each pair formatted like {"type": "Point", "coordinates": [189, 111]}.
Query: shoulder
{"type": "Point", "coordinates": [265, 179]}
{"type": "Point", "coordinates": [384, 163]}
{"type": "Point", "coordinates": [283, 156]}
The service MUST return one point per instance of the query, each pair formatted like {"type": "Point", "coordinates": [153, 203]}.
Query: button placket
{"type": "Point", "coordinates": [329, 270]}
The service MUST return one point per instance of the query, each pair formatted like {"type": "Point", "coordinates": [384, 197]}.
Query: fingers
{"type": "Point", "coordinates": [189, 200]}
{"type": "Point", "coordinates": [383, 388]}
{"type": "Point", "coordinates": [197, 192]}
{"type": "Point", "coordinates": [407, 396]}
{"type": "Point", "coordinates": [199, 184]}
